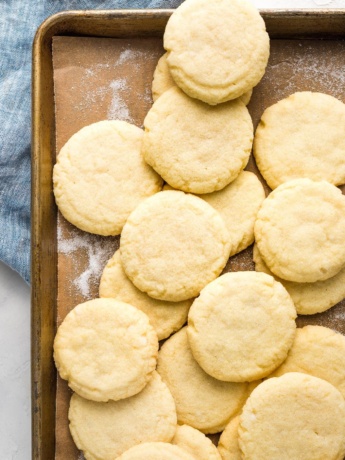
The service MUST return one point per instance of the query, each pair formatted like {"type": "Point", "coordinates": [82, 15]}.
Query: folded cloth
{"type": "Point", "coordinates": [19, 20]}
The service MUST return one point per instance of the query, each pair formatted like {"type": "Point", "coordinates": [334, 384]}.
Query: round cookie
{"type": "Point", "coordinates": [165, 317]}
{"type": "Point", "coordinates": [173, 244]}
{"type": "Point", "coordinates": [195, 443]}
{"type": "Point", "coordinates": [317, 351]}
{"type": "Point", "coordinates": [295, 416]}
{"type": "Point", "coordinates": [155, 451]}
{"type": "Point", "coordinates": [309, 298]}
{"type": "Point", "coordinates": [201, 401]}
{"type": "Point", "coordinates": [162, 81]}
{"type": "Point", "coordinates": [100, 177]}
{"type": "Point", "coordinates": [300, 231]}
{"type": "Point", "coordinates": [106, 349]}
{"type": "Point", "coordinates": [238, 204]}
{"type": "Point", "coordinates": [242, 326]}
{"type": "Point", "coordinates": [193, 146]}
{"type": "Point", "coordinates": [216, 68]}
{"type": "Point", "coordinates": [107, 430]}
{"type": "Point", "coordinates": [245, 98]}
{"type": "Point", "coordinates": [228, 445]}
{"type": "Point", "coordinates": [302, 136]}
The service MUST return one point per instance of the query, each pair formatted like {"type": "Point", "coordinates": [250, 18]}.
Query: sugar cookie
{"type": "Point", "coordinates": [216, 67]}
{"type": "Point", "coordinates": [100, 177]}
{"type": "Point", "coordinates": [241, 326]}
{"type": "Point", "coordinates": [155, 451]}
{"type": "Point", "coordinates": [309, 298]}
{"type": "Point", "coordinates": [195, 443]}
{"type": "Point", "coordinates": [228, 445]}
{"type": "Point", "coordinates": [300, 231]}
{"type": "Point", "coordinates": [106, 349]}
{"type": "Point", "coordinates": [201, 401]}
{"type": "Point", "coordinates": [238, 204]}
{"type": "Point", "coordinates": [193, 146]}
{"type": "Point", "coordinates": [173, 244]}
{"type": "Point", "coordinates": [317, 351]}
{"type": "Point", "coordinates": [106, 430]}
{"type": "Point", "coordinates": [295, 416]}
{"type": "Point", "coordinates": [165, 317]}
{"type": "Point", "coordinates": [162, 81]}
{"type": "Point", "coordinates": [302, 136]}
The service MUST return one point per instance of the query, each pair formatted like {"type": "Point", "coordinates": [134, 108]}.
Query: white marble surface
{"type": "Point", "coordinates": [15, 417]}
{"type": "Point", "coordinates": [15, 408]}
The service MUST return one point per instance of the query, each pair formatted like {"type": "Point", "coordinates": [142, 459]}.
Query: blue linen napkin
{"type": "Point", "coordinates": [19, 20]}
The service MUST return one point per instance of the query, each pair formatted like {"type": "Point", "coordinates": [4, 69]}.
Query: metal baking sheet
{"type": "Point", "coordinates": [103, 66]}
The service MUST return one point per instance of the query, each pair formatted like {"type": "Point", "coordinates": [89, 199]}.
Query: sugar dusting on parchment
{"type": "Point", "coordinates": [97, 253]}
{"type": "Point", "coordinates": [115, 94]}
{"type": "Point", "coordinates": [306, 67]}
{"type": "Point", "coordinates": [118, 108]}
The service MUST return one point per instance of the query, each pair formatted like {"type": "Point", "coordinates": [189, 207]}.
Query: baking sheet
{"type": "Point", "coordinates": [106, 78]}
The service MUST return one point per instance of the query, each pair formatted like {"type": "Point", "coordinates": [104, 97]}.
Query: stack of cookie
{"type": "Point", "coordinates": [133, 400]}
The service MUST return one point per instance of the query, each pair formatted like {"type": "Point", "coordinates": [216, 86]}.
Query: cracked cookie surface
{"type": "Point", "coordinates": [216, 50]}
{"type": "Point", "coordinates": [193, 146]}
{"type": "Point", "coordinates": [106, 349]}
{"type": "Point", "coordinates": [302, 136]}
{"type": "Point", "coordinates": [300, 231]}
{"type": "Point", "coordinates": [100, 176]}
{"type": "Point", "coordinates": [173, 244]}
{"type": "Point", "coordinates": [106, 430]}
{"type": "Point", "coordinates": [242, 326]}
{"type": "Point", "coordinates": [295, 416]}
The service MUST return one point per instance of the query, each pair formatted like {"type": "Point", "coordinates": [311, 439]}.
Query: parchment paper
{"type": "Point", "coordinates": [100, 78]}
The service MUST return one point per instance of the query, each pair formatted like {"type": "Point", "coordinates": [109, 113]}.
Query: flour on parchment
{"type": "Point", "coordinates": [97, 254]}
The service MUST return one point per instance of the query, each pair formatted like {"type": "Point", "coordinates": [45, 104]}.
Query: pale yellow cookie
{"type": "Point", "coordinates": [173, 244]}
{"type": "Point", "coordinates": [216, 50]}
{"type": "Point", "coordinates": [309, 298]}
{"type": "Point", "coordinates": [318, 351]}
{"type": "Point", "coordinates": [238, 204]}
{"type": "Point", "coordinates": [106, 430]}
{"type": "Point", "coordinates": [295, 416]}
{"type": "Point", "coordinates": [228, 446]}
{"type": "Point", "coordinates": [156, 451]}
{"type": "Point", "coordinates": [193, 146]}
{"type": "Point", "coordinates": [162, 81]}
{"type": "Point", "coordinates": [245, 98]}
{"type": "Point", "coordinates": [302, 136]}
{"type": "Point", "coordinates": [100, 176]}
{"type": "Point", "coordinates": [195, 443]}
{"type": "Point", "coordinates": [201, 401]}
{"type": "Point", "coordinates": [165, 317]}
{"type": "Point", "coordinates": [242, 326]}
{"type": "Point", "coordinates": [106, 349]}
{"type": "Point", "coordinates": [300, 231]}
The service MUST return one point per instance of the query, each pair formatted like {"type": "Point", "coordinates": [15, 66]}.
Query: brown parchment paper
{"type": "Point", "coordinates": [105, 78]}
